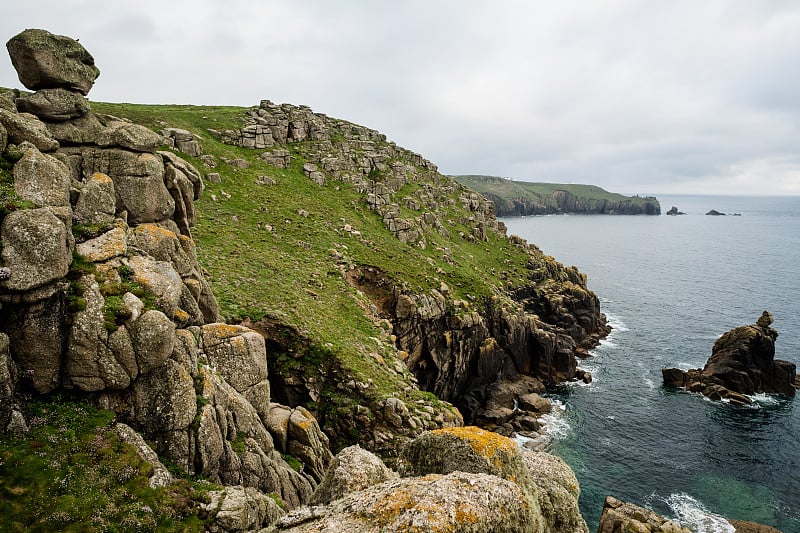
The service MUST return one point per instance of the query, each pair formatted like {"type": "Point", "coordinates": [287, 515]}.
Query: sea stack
{"type": "Point", "coordinates": [742, 363]}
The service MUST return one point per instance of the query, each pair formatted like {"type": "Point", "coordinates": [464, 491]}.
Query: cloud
{"type": "Point", "coordinates": [633, 96]}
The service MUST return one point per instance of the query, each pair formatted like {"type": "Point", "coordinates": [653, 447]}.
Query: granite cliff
{"type": "Point", "coordinates": [521, 198]}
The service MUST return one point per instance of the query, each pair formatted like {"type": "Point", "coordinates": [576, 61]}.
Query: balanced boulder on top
{"type": "Point", "coordinates": [47, 61]}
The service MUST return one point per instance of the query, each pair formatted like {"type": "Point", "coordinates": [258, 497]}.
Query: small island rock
{"type": "Point", "coordinates": [742, 363]}
{"type": "Point", "coordinates": [674, 211]}
{"type": "Point", "coordinates": [715, 213]}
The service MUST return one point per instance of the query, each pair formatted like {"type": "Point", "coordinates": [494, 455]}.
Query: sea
{"type": "Point", "coordinates": [670, 286]}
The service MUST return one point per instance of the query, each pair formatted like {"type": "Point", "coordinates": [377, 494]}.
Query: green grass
{"type": "Point", "coordinates": [72, 472]}
{"type": "Point", "coordinates": [295, 272]}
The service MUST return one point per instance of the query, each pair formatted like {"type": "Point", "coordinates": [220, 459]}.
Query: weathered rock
{"type": "Point", "coordinates": [22, 127]}
{"type": "Point", "coordinates": [36, 248]}
{"type": "Point", "coordinates": [163, 401]}
{"type": "Point", "coordinates": [184, 141]}
{"type": "Point", "coordinates": [458, 502]}
{"type": "Point", "coordinates": [465, 449]}
{"type": "Point", "coordinates": [55, 105]}
{"type": "Point", "coordinates": [742, 363]}
{"type": "Point", "coordinates": [240, 356]}
{"type": "Point", "coordinates": [3, 138]}
{"type": "Point", "coordinates": [619, 517]}
{"type": "Point", "coordinates": [153, 339]}
{"type": "Point", "coordinates": [96, 201]}
{"type": "Point", "coordinates": [90, 364]}
{"type": "Point", "coordinates": [138, 182]}
{"type": "Point", "coordinates": [37, 334]}
{"type": "Point", "coordinates": [161, 476]}
{"type": "Point", "coordinates": [240, 509]}
{"type": "Point", "coordinates": [161, 279]}
{"type": "Point", "coordinates": [8, 382]}
{"type": "Point", "coordinates": [307, 443]}
{"type": "Point", "coordinates": [752, 527]}
{"type": "Point", "coordinates": [353, 469]}
{"type": "Point", "coordinates": [41, 178]}
{"type": "Point", "coordinates": [110, 244]}
{"type": "Point", "coordinates": [559, 492]}
{"type": "Point", "coordinates": [47, 61]}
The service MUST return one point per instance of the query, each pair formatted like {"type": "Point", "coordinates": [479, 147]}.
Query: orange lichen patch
{"type": "Point", "coordinates": [99, 177]}
{"type": "Point", "coordinates": [222, 331]}
{"type": "Point", "coordinates": [484, 443]}
{"type": "Point", "coordinates": [465, 515]}
{"type": "Point", "coordinates": [152, 231]}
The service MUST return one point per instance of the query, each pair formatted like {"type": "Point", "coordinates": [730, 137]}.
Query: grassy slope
{"type": "Point", "coordinates": [292, 273]}
{"type": "Point", "coordinates": [508, 189]}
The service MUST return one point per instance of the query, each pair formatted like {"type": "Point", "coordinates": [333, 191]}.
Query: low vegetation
{"type": "Point", "coordinates": [72, 472]}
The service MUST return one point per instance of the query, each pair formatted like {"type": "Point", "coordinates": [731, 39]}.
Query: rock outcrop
{"type": "Point", "coordinates": [102, 294]}
{"type": "Point", "coordinates": [673, 211]}
{"type": "Point", "coordinates": [466, 352]}
{"type": "Point", "coordinates": [461, 480]}
{"type": "Point", "coordinates": [742, 363]}
{"type": "Point", "coordinates": [619, 516]}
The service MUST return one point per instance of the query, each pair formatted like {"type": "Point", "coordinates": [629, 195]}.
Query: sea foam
{"type": "Point", "coordinates": [691, 513]}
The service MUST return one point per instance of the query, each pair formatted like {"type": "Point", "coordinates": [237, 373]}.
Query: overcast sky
{"type": "Point", "coordinates": [636, 96]}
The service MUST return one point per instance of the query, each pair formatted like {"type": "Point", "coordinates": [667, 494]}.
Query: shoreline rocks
{"type": "Point", "coordinates": [742, 363]}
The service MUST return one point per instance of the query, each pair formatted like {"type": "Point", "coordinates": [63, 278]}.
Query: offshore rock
{"type": "Point", "coordinates": [47, 61]}
{"type": "Point", "coordinates": [742, 363]}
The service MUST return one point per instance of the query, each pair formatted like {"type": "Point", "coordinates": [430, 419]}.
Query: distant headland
{"type": "Point", "coordinates": [521, 198]}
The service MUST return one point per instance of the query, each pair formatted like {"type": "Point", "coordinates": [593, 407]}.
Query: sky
{"type": "Point", "coordinates": [636, 96]}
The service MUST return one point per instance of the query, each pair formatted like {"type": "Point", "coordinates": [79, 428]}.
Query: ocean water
{"type": "Point", "coordinates": [670, 287]}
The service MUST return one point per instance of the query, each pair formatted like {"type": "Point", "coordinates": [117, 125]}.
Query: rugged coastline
{"type": "Point", "coordinates": [124, 248]}
{"type": "Point", "coordinates": [520, 198]}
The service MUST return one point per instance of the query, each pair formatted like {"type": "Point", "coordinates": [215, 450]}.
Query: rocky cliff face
{"type": "Point", "coordinates": [479, 355]}
{"type": "Point", "coordinates": [566, 202]}
{"type": "Point", "coordinates": [101, 291]}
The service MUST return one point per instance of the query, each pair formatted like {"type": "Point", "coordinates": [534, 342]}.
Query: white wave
{"type": "Point", "coordinates": [606, 343]}
{"type": "Point", "coordinates": [616, 322]}
{"type": "Point", "coordinates": [555, 422]}
{"type": "Point", "coordinates": [692, 514]}
{"type": "Point", "coordinates": [762, 399]}
{"type": "Point", "coordinates": [650, 384]}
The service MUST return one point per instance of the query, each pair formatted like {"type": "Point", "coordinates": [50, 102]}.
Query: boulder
{"type": "Point", "coordinates": [465, 449]}
{"type": "Point", "coordinates": [41, 178]}
{"type": "Point", "coordinates": [55, 105]}
{"type": "Point", "coordinates": [36, 248]}
{"type": "Point", "coordinates": [96, 201]}
{"type": "Point", "coordinates": [742, 363]}
{"type": "Point", "coordinates": [353, 469]}
{"type": "Point", "coordinates": [90, 364]}
{"type": "Point", "coordinates": [47, 61]}
{"type": "Point", "coordinates": [240, 509]}
{"type": "Point", "coordinates": [138, 182]}
{"type": "Point", "coordinates": [22, 127]}
{"type": "Point", "coordinates": [160, 279]}
{"type": "Point", "coordinates": [559, 492]}
{"type": "Point", "coordinates": [619, 516]}
{"type": "Point", "coordinates": [110, 244]}
{"type": "Point", "coordinates": [153, 339]}
{"type": "Point", "coordinates": [162, 402]}
{"type": "Point", "coordinates": [458, 502]}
